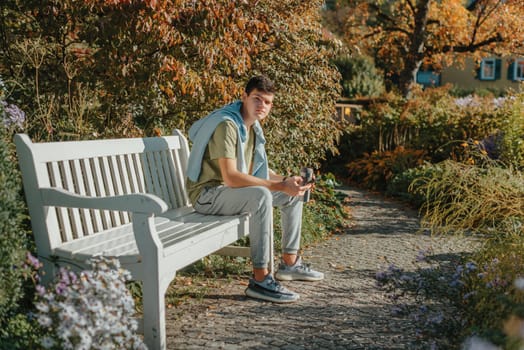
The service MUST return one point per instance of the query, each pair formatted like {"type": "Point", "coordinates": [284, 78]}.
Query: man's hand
{"type": "Point", "coordinates": [293, 186]}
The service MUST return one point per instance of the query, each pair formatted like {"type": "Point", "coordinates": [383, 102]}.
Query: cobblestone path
{"type": "Point", "coordinates": [345, 311]}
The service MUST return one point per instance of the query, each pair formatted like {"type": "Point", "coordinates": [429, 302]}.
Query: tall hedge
{"type": "Point", "coordinates": [117, 68]}
{"type": "Point", "coordinates": [12, 235]}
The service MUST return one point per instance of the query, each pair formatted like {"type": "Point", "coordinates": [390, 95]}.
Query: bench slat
{"type": "Point", "coordinates": [78, 179]}
{"type": "Point", "coordinates": [146, 171]}
{"type": "Point", "coordinates": [155, 172]}
{"type": "Point", "coordinates": [166, 181]}
{"type": "Point", "coordinates": [68, 150]}
{"type": "Point", "coordinates": [167, 163]}
{"type": "Point", "coordinates": [118, 185]}
{"type": "Point", "coordinates": [87, 171]}
{"type": "Point", "coordinates": [138, 172]}
{"type": "Point", "coordinates": [180, 185]}
{"type": "Point", "coordinates": [61, 213]}
{"type": "Point", "coordinates": [108, 188]}
{"type": "Point", "coordinates": [67, 181]}
{"type": "Point", "coordinates": [90, 226]}
{"type": "Point", "coordinates": [99, 188]}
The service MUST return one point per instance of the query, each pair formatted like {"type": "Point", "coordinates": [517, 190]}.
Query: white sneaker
{"type": "Point", "coordinates": [298, 272]}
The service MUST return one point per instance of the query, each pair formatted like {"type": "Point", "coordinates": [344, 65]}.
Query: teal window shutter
{"type": "Point", "coordinates": [511, 71]}
{"type": "Point", "coordinates": [498, 68]}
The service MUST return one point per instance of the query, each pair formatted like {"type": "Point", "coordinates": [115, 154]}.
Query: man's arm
{"type": "Point", "coordinates": [234, 178]}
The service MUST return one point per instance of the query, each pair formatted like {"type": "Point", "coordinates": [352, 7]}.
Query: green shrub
{"type": "Point", "coordinates": [20, 333]}
{"type": "Point", "coordinates": [512, 130]}
{"type": "Point", "coordinates": [376, 170]}
{"type": "Point", "coordinates": [13, 243]}
{"type": "Point", "coordinates": [401, 185]}
{"type": "Point", "coordinates": [433, 121]}
{"type": "Point", "coordinates": [492, 296]}
{"type": "Point", "coordinates": [360, 77]}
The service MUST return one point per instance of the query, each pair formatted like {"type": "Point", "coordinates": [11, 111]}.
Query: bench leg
{"type": "Point", "coordinates": [153, 299]}
{"type": "Point", "coordinates": [153, 282]}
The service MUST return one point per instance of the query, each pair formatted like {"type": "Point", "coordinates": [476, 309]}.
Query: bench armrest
{"type": "Point", "coordinates": [137, 202]}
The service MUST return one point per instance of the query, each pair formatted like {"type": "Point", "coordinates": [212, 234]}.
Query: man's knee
{"type": "Point", "coordinates": [261, 195]}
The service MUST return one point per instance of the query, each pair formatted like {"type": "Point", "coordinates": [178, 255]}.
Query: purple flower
{"type": "Point", "coordinates": [380, 276]}
{"type": "Point", "coordinates": [13, 115]}
{"type": "Point", "coordinates": [470, 266]}
{"type": "Point", "coordinates": [64, 276]}
{"type": "Point", "coordinates": [456, 283]}
{"type": "Point", "coordinates": [421, 256]}
{"type": "Point", "coordinates": [468, 295]}
{"type": "Point", "coordinates": [61, 288]}
{"type": "Point", "coordinates": [436, 318]}
{"type": "Point", "coordinates": [392, 268]}
{"type": "Point", "coordinates": [33, 261]}
{"type": "Point", "coordinates": [40, 289]}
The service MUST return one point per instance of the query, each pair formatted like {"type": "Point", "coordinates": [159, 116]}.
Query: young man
{"type": "Point", "coordinates": [228, 174]}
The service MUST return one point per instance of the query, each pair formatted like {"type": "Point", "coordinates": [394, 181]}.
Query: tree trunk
{"type": "Point", "coordinates": [415, 56]}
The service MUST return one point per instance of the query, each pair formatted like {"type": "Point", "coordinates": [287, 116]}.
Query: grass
{"type": "Point", "coordinates": [479, 296]}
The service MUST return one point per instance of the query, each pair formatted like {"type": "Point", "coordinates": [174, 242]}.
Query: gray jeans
{"type": "Point", "coordinates": [258, 201]}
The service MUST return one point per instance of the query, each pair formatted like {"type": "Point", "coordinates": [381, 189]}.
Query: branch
{"type": "Point", "coordinates": [483, 14]}
{"type": "Point", "coordinates": [470, 47]}
{"type": "Point", "coordinates": [411, 6]}
{"type": "Point", "coordinates": [398, 29]}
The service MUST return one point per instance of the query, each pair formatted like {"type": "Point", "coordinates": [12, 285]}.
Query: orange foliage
{"type": "Point", "coordinates": [408, 33]}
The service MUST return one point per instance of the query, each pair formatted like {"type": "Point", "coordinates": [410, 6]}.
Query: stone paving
{"type": "Point", "coordinates": [345, 311]}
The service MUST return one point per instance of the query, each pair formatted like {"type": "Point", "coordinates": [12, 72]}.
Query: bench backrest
{"type": "Point", "coordinates": [155, 165]}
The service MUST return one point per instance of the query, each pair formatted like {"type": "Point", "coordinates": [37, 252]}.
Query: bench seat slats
{"type": "Point", "coordinates": [175, 235]}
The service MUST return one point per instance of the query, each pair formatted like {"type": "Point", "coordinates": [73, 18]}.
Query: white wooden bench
{"type": "Point", "coordinates": [123, 198]}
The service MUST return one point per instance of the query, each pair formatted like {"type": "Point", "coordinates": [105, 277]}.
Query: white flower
{"type": "Point", "coordinates": [499, 102]}
{"type": "Point", "coordinates": [45, 321]}
{"type": "Point", "coordinates": [468, 101]}
{"type": "Point", "coordinates": [42, 307]}
{"type": "Point", "coordinates": [476, 343]}
{"type": "Point", "coordinates": [47, 342]}
{"type": "Point", "coordinates": [519, 283]}
{"type": "Point", "coordinates": [95, 311]}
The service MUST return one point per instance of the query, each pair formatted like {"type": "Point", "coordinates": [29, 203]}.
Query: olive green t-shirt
{"type": "Point", "coordinates": [223, 144]}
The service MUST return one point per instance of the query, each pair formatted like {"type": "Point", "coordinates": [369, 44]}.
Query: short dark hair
{"type": "Point", "coordinates": [261, 83]}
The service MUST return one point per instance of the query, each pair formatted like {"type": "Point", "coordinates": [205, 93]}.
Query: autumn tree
{"type": "Point", "coordinates": [102, 68]}
{"type": "Point", "coordinates": [406, 34]}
